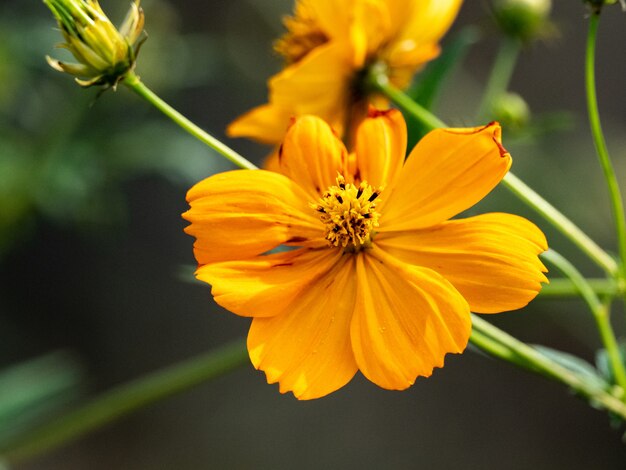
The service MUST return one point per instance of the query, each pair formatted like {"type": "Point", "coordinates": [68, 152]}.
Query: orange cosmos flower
{"type": "Point", "coordinates": [381, 281]}
{"type": "Point", "coordinates": [329, 48]}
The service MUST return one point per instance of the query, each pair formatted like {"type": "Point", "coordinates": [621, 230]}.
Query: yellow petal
{"type": "Point", "coordinates": [240, 214]}
{"type": "Point", "coordinates": [405, 321]}
{"type": "Point", "coordinates": [419, 25]}
{"type": "Point", "coordinates": [448, 171]}
{"type": "Point", "coordinates": [307, 347]}
{"type": "Point", "coordinates": [318, 84]}
{"type": "Point", "coordinates": [423, 20]}
{"type": "Point", "coordinates": [266, 285]}
{"type": "Point", "coordinates": [381, 147]}
{"type": "Point", "coordinates": [312, 155]}
{"type": "Point", "coordinates": [491, 259]}
{"type": "Point", "coordinates": [267, 123]}
{"type": "Point", "coordinates": [333, 16]}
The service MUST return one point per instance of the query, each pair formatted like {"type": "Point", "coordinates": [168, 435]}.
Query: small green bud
{"type": "Point", "coordinates": [522, 19]}
{"type": "Point", "coordinates": [596, 5]}
{"type": "Point", "coordinates": [511, 110]}
{"type": "Point", "coordinates": [104, 54]}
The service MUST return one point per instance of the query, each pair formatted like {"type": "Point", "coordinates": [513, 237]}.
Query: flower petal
{"type": "Point", "coordinates": [381, 147]}
{"type": "Point", "coordinates": [361, 24]}
{"type": "Point", "coordinates": [307, 347]}
{"type": "Point", "coordinates": [266, 285]}
{"type": "Point", "coordinates": [448, 171]}
{"type": "Point", "coordinates": [240, 214]}
{"type": "Point", "coordinates": [406, 320]}
{"type": "Point", "coordinates": [423, 21]}
{"type": "Point", "coordinates": [318, 84]}
{"type": "Point", "coordinates": [312, 155]}
{"type": "Point", "coordinates": [490, 259]}
{"type": "Point", "coordinates": [267, 123]}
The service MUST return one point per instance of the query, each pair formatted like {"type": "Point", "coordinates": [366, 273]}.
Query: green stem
{"type": "Point", "coordinates": [510, 181]}
{"type": "Point", "coordinates": [599, 310]}
{"type": "Point", "coordinates": [560, 288]}
{"type": "Point", "coordinates": [127, 398]}
{"type": "Point", "coordinates": [617, 204]}
{"type": "Point", "coordinates": [133, 82]}
{"type": "Point", "coordinates": [560, 222]}
{"type": "Point", "coordinates": [502, 345]}
{"type": "Point", "coordinates": [500, 76]}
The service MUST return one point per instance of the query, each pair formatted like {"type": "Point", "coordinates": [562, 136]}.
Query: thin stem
{"type": "Point", "coordinates": [133, 82]}
{"type": "Point", "coordinates": [510, 181]}
{"type": "Point", "coordinates": [599, 310]}
{"type": "Point", "coordinates": [560, 288]}
{"type": "Point", "coordinates": [127, 398]}
{"type": "Point", "coordinates": [502, 345]}
{"type": "Point", "coordinates": [617, 203]}
{"type": "Point", "coordinates": [570, 230]}
{"type": "Point", "coordinates": [500, 76]}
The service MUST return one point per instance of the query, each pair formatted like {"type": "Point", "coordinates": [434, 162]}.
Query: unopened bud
{"type": "Point", "coordinates": [511, 110]}
{"type": "Point", "coordinates": [104, 54]}
{"type": "Point", "coordinates": [522, 19]}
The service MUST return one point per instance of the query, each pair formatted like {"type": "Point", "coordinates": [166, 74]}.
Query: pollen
{"type": "Point", "coordinates": [303, 35]}
{"type": "Point", "coordinates": [349, 213]}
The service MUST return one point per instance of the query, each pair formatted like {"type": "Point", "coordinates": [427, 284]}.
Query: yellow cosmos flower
{"type": "Point", "coordinates": [381, 280]}
{"type": "Point", "coordinates": [328, 49]}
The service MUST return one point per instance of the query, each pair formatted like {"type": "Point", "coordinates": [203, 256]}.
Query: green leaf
{"type": "Point", "coordinates": [603, 363]}
{"type": "Point", "coordinates": [31, 391]}
{"type": "Point", "coordinates": [575, 364]}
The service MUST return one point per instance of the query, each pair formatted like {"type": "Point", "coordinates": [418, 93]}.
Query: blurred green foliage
{"type": "Point", "coordinates": [65, 152]}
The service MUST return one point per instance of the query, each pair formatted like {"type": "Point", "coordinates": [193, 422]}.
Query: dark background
{"type": "Point", "coordinates": [91, 264]}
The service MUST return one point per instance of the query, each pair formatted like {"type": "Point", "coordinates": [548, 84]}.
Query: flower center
{"type": "Point", "coordinates": [349, 213]}
{"type": "Point", "coordinates": [302, 36]}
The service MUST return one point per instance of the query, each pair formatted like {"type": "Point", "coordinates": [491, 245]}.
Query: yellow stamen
{"type": "Point", "coordinates": [349, 213]}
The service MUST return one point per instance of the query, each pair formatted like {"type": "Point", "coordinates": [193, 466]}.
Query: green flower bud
{"type": "Point", "coordinates": [511, 110]}
{"type": "Point", "coordinates": [104, 54]}
{"type": "Point", "coordinates": [596, 5]}
{"type": "Point", "coordinates": [522, 19]}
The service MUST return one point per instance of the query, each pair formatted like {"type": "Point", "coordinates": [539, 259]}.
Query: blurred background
{"type": "Point", "coordinates": [94, 264]}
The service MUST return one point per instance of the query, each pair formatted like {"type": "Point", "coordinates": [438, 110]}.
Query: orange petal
{"type": "Point", "coordinates": [267, 123]}
{"type": "Point", "coordinates": [312, 155]}
{"type": "Point", "coordinates": [266, 285]}
{"type": "Point", "coordinates": [381, 147]}
{"type": "Point", "coordinates": [307, 347]}
{"type": "Point", "coordinates": [491, 259]}
{"type": "Point", "coordinates": [406, 320]}
{"type": "Point", "coordinates": [333, 16]}
{"type": "Point", "coordinates": [243, 213]}
{"type": "Point", "coordinates": [422, 21]}
{"type": "Point", "coordinates": [448, 171]}
{"type": "Point", "coordinates": [318, 84]}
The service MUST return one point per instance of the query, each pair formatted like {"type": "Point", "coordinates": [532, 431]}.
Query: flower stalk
{"type": "Point", "coordinates": [617, 204]}
{"type": "Point", "coordinates": [500, 76]}
{"type": "Point", "coordinates": [133, 82]}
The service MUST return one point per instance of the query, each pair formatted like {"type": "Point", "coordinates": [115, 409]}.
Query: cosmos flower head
{"type": "Point", "coordinates": [104, 54]}
{"type": "Point", "coordinates": [380, 277]}
{"type": "Point", "coordinates": [328, 50]}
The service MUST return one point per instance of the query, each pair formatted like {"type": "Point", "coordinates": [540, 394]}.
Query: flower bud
{"type": "Point", "coordinates": [521, 19]}
{"type": "Point", "coordinates": [511, 110]}
{"type": "Point", "coordinates": [596, 5]}
{"type": "Point", "coordinates": [104, 54]}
